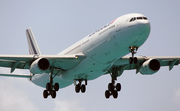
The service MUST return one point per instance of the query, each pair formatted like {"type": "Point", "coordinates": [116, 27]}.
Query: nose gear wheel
{"type": "Point", "coordinates": [133, 50]}
{"type": "Point", "coordinates": [80, 87]}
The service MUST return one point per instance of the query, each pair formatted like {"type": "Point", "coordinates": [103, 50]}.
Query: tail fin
{"type": "Point", "coordinates": [33, 46]}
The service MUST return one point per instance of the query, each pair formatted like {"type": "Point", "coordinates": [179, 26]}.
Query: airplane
{"type": "Point", "coordinates": [102, 52]}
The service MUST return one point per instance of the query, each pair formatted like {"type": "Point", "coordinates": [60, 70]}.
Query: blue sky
{"type": "Point", "coordinates": [57, 24]}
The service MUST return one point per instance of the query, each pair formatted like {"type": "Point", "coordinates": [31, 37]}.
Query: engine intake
{"type": "Point", "coordinates": [150, 66]}
{"type": "Point", "coordinates": [40, 66]}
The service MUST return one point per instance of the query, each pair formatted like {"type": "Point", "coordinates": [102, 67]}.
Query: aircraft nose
{"type": "Point", "coordinates": [144, 24]}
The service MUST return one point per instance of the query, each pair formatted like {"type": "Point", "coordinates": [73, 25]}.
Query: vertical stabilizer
{"type": "Point", "coordinates": [32, 44]}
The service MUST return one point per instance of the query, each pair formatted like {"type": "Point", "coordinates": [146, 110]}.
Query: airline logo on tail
{"type": "Point", "coordinates": [33, 46]}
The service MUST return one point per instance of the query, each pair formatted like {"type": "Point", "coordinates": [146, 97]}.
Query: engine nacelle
{"type": "Point", "coordinates": [40, 66]}
{"type": "Point", "coordinates": [150, 66]}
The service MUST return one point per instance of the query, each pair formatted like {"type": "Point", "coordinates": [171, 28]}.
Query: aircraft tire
{"type": "Point", "coordinates": [48, 86]}
{"type": "Point", "coordinates": [130, 60]}
{"type": "Point", "coordinates": [118, 87]}
{"type": "Point", "coordinates": [115, 94]}
{"type": "Point", "coordinates": [135, 60]}
{"type": "Point", "coordinates": [56, 86]}
{"type": "Point", "coordinates": [110, 87]}
{"type": "Point", "coordinates": [107, 94]}
{"type": "Point", "coordinates": [53, 94]}
{"type": "Point", "coordinates": [77, 88]}
{"type": "Point", "coordinates": [45, 94]}
{"type": "Point", "coordinates": [83, 88]}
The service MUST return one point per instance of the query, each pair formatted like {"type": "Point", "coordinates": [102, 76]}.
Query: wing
{"type": "Point", "coordinates": [123, 63]}
{"type": "Point", "coordinates": [64, 62]}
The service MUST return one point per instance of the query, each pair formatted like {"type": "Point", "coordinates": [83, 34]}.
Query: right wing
{"type": "Point", "coordinates": [64, 62]}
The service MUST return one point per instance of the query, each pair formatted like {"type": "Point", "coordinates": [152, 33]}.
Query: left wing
{"type": "Point", "coordinates": [145, 63]}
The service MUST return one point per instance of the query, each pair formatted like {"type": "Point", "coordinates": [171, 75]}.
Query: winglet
{"type": "Point", "coordinates": [33, 46]}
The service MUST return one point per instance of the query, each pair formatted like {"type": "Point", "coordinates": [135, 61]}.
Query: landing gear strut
{"type": "Point", "coordinates": [112, 88]}
{"type": "Point", "coordinates": [80, 86]}
{"type": "Point", "coordinates": [133, 50]}
{"type": "Point", "coordinates": [51, 89]}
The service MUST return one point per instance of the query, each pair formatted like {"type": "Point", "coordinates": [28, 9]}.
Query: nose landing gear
{"type": "Point", "coordinates": [133, 50]}
{"type": "Point", "coordinates": [80, 86]}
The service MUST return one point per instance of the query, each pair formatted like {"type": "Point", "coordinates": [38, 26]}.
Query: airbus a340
{"type": "Point", "coordinates": [101, 52]}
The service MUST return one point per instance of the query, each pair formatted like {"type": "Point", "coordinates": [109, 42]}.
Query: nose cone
{"type": "Point", "coordinates": [140, 27]}
{"type": "Point", "coordinates": [140, 30]}
{"type": "Point", "coordinates": [139, 23]}
{"type": "Point", "coordinates": [143, 25]}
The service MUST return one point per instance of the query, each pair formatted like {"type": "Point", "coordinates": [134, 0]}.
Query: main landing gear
{"type": "Point", "coordinates": [133, 50]}
{"type": "Point", "coordinates": [112, 88]}
{"type": "Point", "coordinates": [80, 86]}
{"type": "Point", "coordinates": [51, 89]}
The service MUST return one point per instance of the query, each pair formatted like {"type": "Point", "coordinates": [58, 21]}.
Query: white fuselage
{"type": "Point", "coordinates": [102, 48]}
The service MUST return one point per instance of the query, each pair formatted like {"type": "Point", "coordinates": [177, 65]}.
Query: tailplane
{"type": "Point", "coordinates": [32, 44]}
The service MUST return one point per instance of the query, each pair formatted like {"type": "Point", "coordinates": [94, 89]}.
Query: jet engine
{"type": "Point", "coordinates": [150, 66]}
{"type": "Point", "coordinates": [40, 66]}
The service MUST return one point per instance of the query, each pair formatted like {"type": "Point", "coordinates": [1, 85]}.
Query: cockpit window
{"type": "Point", "coordinates": [144, 18]}
{"type": "Point", "coordinates": [138, 18]}
{"type": "Point", "coordinates": [132, 19]}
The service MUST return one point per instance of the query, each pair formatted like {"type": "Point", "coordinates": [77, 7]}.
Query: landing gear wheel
{"type": "Point", "coordinates": [83, 88]}
{"type": "Point", "coordinates": [115, 94]}
{"type": "Point", "coordinates": [53, 94]}
{"type": "Point", "coordinates": [80, 87]}
{"type": "Point", "coordinates": [135, 60]}
{"type": "Point", "coordinates": [56, 86]}
{"type": "Point", "coordinates": [107, 94]}
{"type": "Point", "coordinates": [118, 87]}
{"type": "Point", "coordinates": [77, 88]}
{"type": "Point", "coordinates": [130, 60]}
{"type": "Point", "coordinates": [45, 94]}
{"type": "Point", "coordinates": [48, 86]}
{"type": "Point", "coordinates": [110, 87]}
